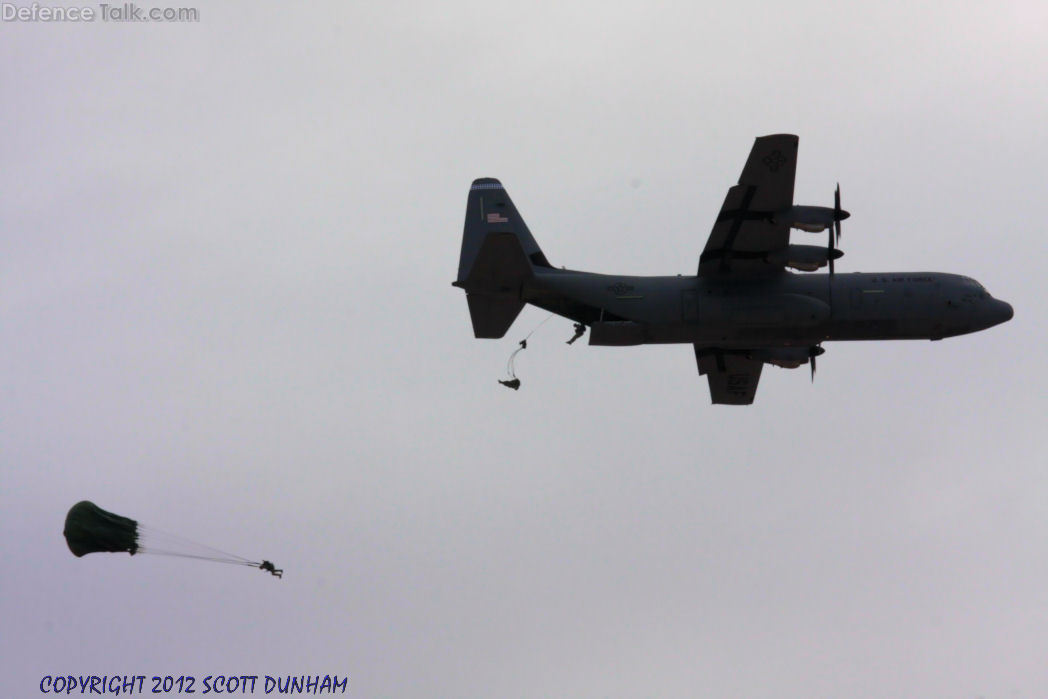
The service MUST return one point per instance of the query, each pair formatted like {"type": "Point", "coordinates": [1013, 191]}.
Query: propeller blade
{"type": "Point", "coordinates": [829, 249]}
{"type": "Point", "coordinates": [837, 212]}
{"type": "Point", "coordinates": [814, 352]}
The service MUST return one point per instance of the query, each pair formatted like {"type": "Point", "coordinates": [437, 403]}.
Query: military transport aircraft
{"type": "Point", "coordinates": [743, 309]}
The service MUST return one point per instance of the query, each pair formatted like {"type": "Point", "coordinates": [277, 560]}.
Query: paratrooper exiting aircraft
{"type": "Point", "coordinates": [744, 308]}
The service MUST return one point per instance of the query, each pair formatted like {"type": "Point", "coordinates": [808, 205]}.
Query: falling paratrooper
{"type": "Point", "coordinates": [90, 529]}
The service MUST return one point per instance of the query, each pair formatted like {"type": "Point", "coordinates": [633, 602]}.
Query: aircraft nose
{"type": "Point", "coordinates": [1004, 309]}
{"type": "Point", "coordinates": [997, 312]}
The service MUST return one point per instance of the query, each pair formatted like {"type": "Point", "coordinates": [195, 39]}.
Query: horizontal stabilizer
{"type": "Point", "coordinates": [492, 315]}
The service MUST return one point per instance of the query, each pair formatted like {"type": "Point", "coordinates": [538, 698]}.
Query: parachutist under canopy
{"type": "Point", "coordinates": [580, 330]}
{"type": "Point", "coordinates": [90, 529]}
{"type": "Point", "coordinates": [267, 566]}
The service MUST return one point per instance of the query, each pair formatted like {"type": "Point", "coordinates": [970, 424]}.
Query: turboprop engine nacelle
{"type": "Point", "coordinates": [786, 357]}
{"type": "Point", "coordinates": [813, 219]}
{"type": "Point", "coordinates": [808, 258]}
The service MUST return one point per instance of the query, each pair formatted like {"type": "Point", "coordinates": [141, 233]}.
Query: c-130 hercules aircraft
{"type": "Point", "coordinates": [743, 309]}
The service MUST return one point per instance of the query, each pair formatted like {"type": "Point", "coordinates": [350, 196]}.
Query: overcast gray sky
{"type": "Point", "coordinates": [227, 312]}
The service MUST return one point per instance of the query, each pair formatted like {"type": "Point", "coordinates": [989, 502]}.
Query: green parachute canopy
{"type": "Point", "coordinates": [90, 529]}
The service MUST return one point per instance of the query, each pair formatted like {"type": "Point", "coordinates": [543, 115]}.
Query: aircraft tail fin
{"type": "Point", "coordinates": [498, 255]}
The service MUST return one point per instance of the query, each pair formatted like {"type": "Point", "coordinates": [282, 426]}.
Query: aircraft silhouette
{"type": "Point", "coordinates": [743, 309]}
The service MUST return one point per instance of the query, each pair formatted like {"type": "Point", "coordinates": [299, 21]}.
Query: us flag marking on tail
{"type": "Point", "coordinates": [497, 218]}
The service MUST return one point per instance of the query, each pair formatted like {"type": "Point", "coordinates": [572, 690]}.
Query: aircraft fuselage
{"type": "Point", "coordinates": [778, 311]}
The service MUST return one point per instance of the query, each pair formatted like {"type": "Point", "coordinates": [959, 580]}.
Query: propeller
{"type": "Point", "coordinates": [834, 231]}
{"type": "Point", "coordinates": [838, 215]}
{"type": "Point", "coordinates": [814, 352]}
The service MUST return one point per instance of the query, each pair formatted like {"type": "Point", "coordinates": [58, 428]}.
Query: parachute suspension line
{"type": "Point", "coordinates": [214, 559]}
{"type": "Point", "coordinates": [153, 540]}
{"type": "Point", "coordinates": [537, 327]}
{"type": "Point", "coordinates": [513, 382]}
{"type": "Point", "coordinates": [509, 364]}
{"type": "Point", "coordinates": [152, 533]}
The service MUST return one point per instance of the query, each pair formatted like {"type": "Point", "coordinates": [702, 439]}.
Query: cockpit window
{"type": "Point", "coordinates": [976, 286]}
{"type": "Point", "coordinates": [973, 288]}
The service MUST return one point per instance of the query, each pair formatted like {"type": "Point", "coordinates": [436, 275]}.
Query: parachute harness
{"type": "Point", "coordinates": [513, 382]}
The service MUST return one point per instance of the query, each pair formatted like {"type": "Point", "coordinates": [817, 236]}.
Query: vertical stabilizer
{"type": "Point", "coordinates": [498, 255]}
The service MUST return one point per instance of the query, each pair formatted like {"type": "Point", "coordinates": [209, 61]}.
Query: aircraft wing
{"type": "Point", "coordinates": [733, 378]}
{"type": "Point", "coordinates": [746, 231]}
